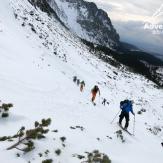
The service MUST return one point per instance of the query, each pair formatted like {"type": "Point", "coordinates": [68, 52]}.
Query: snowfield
{"type": "Point", "coordinates": [36, 75]}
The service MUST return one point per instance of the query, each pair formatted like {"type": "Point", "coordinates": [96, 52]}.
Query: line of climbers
{"type": "Point", "coordinates": [126, 106]}
{"type": "Point", "coordinates": [94, 90]}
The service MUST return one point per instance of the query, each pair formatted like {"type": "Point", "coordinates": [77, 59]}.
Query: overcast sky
{"type": "Point", "coordinates": [129, 17]}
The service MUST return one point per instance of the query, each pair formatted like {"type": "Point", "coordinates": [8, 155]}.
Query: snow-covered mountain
{"type": "Point", "coordinates": [86, 21]}
{"type": "Point", "coordinates": [38, 58]}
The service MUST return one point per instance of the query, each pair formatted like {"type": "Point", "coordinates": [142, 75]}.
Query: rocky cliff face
{"type": "Point", "coordinates": [87, 21]}
{"type": "Point", "coordinates": [43, 5]}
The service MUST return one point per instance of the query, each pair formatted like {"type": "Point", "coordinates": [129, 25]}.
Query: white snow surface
{"type": "Point", "coordinates": [39, 84]}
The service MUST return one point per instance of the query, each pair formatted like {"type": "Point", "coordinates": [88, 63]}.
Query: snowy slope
{"type": "Point", "coordinates": [37, 67]}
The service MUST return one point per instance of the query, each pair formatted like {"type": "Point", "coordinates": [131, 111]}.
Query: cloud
{"type": "Point", "coordinates": [134, 33]}
{"type": "Point", "coordinates": [128, 10]}
{"type": "Point", "coordinates": [129, 18]}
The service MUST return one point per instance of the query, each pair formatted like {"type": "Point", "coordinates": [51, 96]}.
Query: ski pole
{"type": "Point", "coordinates": [134, 126]}
{"type": "Point", "coordinates": [99, 99]}
{"type": "Point", "coordinates": [115, 117]}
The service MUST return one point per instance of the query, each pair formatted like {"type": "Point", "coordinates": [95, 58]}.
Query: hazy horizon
{"type": "Point", "coordinates": [129, 17]}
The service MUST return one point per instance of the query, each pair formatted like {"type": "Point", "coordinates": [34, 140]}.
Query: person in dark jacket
{"type": "Point", "coordinates": [104, 101]}
{"type": "Point", "coordinates": [78, 82]}
{"type": "Point", "coordinates": [74, 79]}
{"type": "Point", "coordinates": [126, 107]}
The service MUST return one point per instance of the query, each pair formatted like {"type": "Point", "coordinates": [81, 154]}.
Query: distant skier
{"type": "Point", "coordinates": [82, 85]}
{"type": "Point", "coordinates": [74, 79]}
{"type": "Point", "coordinates": [78, 82]}
{"type": "Point", "coordinates": [94, 91]}
{"type": "Point", "coordinates": [126, 107]}
{"type": "Point", "coordinates": [104, 101]}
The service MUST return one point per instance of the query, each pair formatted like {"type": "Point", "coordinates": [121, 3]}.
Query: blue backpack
{"type": "Point", "coordinates": [122, 103]}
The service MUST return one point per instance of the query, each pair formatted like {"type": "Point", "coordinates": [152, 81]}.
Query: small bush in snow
{"type": "Point", "coordinates": [78, 156]}
{"type": "Point", "coordinates": [58, 152]}
{"type": "Point", "coordinates": [55, 131]}
{"type": "Point", "coordinates": [4, 109]}
{"type": "Point", "coordinates": [97, 157]}
{"type": "Point", "coordinates": [26, 137]}
{"type": "Point", "coordinates": [139, 112]}
{"type": "Point", "coordinates": [155, 130]}
{"type": "Point", "coordinates": [47, 152]}
{"type": "Point", "coordinates": [143, 110]}
{"type": "Point", "coordinates": [94, 157]}
{"type": "Point", "coordinates": [5, 115]}
{"type": "Point", "coordinates": [18, 155]}
{"type": "Point", "coordinates": [47, 161]}
{"type": "Point", "coordinates": [40, 154]}
{"type": "Point", "coordinates": [63, 139]}
{"type": "Point", "coordinates": [120, 135]}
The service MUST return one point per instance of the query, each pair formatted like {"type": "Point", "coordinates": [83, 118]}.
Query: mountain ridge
{"type": "Point", "coordinates": [87, 21]}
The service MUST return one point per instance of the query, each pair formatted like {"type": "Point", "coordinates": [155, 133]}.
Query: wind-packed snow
{"type": "Point", "coordinates": [36, 72]}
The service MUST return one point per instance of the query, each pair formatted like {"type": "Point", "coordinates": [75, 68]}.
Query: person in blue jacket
{"type": "Point", "coordinates": [126, 107]}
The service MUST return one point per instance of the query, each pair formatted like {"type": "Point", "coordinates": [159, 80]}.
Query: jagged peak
{"type": "Point", "coordinates": [87, 21]}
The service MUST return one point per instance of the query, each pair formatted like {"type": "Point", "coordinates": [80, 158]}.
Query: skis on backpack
{"type": "Point", "coordinates": [125, 130]}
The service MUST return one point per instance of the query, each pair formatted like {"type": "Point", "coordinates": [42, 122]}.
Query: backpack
{"type": "Point", "coordinates": [83, 83]}
{"type": "Point", "coordinates": [95, 89]}
{"type": "Point", "coordinates": [123, 102]}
